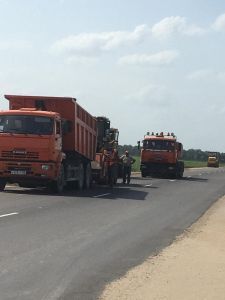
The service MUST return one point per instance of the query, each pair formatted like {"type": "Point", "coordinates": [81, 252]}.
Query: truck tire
{"type": "Point", "coordinates": [113, 175]}
{"type": "Point", "coordinates": [24, 185]}
{"type": "Point", "coordinates": [143, 174]}
{"type": "Point", "coordinates": [80, 181]}
{"type": "Point", "coordinates": [2, 184]}
{"type": "Point", "coordinates": [179, 170]}
{"type": "Point", "coordinates": [88, 177]}
{"type": "Point", "coordinates": [58, 185]}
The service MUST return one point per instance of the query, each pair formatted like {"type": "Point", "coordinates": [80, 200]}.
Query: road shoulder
{"type": "Point", "coordinates": [193, 267]}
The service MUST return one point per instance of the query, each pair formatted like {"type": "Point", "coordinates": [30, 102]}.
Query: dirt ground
{"type": "Point", "coordinates": [192, 268]}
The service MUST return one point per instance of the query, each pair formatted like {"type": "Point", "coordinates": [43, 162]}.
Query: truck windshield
{"type": "Point", "coordinates": [158, 145]}
{"type": "Point", "coordinates": [22, 124]}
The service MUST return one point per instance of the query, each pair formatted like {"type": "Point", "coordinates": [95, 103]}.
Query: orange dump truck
{"type": "Point", "coordinates": [46, 141]}
{"type": "Point", "coordinates": [160, 155]}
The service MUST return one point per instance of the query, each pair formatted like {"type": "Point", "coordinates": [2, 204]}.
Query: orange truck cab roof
{"type": "Point", "coordinates": [27, 111]}
{"type": "Point", "coordinates": [160, 137]}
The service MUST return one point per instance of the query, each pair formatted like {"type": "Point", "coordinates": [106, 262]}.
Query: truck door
{"type": "Point", "coordinates": [58, 136]}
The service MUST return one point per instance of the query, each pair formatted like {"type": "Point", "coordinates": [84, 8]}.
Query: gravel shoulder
{"type": "Point", "coordinates": [193, 267]}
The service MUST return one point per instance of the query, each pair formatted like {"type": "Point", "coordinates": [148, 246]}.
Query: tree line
{"type": "Point", "coordinates": [190, 154]}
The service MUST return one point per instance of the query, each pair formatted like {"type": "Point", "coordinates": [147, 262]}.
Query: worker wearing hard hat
{"type": "Point", "coordinates": [127, 161]}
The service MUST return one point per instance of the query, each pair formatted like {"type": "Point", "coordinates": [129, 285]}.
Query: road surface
{"type": "Point", "coordinates": [69, 246]}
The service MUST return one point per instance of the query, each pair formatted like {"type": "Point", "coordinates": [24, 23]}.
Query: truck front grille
{"type": "Point", "coordinates": [20, 155]}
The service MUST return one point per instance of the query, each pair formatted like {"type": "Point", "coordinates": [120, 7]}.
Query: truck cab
{"type": "Point", "coordinates": [160, 155]}
{"type": "Point", "coordinates": [30, 146]}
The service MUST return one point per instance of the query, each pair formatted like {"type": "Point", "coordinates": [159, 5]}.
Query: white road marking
{"type": "Point", "coordinates": [200, 174]}
{"type": "Point", "coordinates": [189, 177]}
{"type": "Point", "coordinates": [172, 180]}
{"type": "Point", "coordinates": [11, 214]}
{"type": "Point", "coordinates": [102, 195]}
{"type": "Point", "coordinates": [148, 185]}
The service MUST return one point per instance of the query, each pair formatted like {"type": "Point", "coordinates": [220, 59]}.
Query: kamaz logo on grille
{"type": "Point", "coordinates": [19, 152]}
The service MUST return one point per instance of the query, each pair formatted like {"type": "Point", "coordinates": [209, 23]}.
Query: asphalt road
{"type": "Point", "coordinates": [68, 247]}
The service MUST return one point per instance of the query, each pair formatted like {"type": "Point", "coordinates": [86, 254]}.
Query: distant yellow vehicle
{"type": "Point", "coordinates": [213, 160]}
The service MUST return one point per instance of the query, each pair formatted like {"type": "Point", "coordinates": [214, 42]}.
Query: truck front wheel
{"type": "Point", "coordinates": [58, 185]}
{"type": "Point", "coordinates": [2, 184]}
{"type": "Point", "coordinates": [179, 170]}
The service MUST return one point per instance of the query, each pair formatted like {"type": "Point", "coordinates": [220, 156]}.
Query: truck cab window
{"type": "Point", "coordinates": [26, 124]}
{"type": "Point", "coordinates": [58, 127]}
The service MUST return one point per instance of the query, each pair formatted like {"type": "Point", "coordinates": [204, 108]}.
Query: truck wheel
{"type": "Point", "coordinates": [111, 181]}
{"type": "Point", "coordinates": [2, 184]}
{"type": "Point", "coordinates": [88, 177]}
{"type": "Point", "coordinates": [113, 174]}
{"type": "Point", "coordinates": [58, 185]}
{"type": "Point", "coordinates": [143, 174]}
{"type": "Point", "coordinates": [179, 170]}
{"type": "Point", "coordinates": [181, 174]}
{"type": "Point", "coordinates": [80, 181]}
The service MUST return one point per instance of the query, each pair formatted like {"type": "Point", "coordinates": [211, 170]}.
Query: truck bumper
{"type": "Point", "coordinates": [155, 168]}
{"type": "Point", "coordinates": [16, 172]}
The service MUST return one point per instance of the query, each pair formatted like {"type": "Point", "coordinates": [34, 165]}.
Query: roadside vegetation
{"type": "Point", "coordinates": [187, 164]}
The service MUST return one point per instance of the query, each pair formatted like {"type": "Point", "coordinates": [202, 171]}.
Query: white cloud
{"type": "Point", "coordinates": [153, 94]}
{"type": "Point", "coordinates": [219, 23]}
{"type": "Point", "coordinates": [81, 60]}
{"type": "Point", "coordinates": [160, 58]}
{"type": "Point", "coordinates": [200, 74]}
{"type": "Point", "coordinates": [221, 76]}
{"type": "Point", "coordinates": [206, 74]}
{"type": "Point", "coordinates": [175, 24]}
{"type": "Point", "coordinates": [14, 45]}
{"type": "Point", "coordinates": [92, 43]}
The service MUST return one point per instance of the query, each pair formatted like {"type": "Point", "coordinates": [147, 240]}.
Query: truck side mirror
{"type": "Point", "coordinates": [180, 147]}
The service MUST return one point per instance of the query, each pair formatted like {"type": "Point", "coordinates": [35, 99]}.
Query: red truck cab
{"type": "Point", "coordinates": [160, 155]}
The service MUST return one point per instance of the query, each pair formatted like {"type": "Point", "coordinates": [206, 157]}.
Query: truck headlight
{"type": "Point", "coordinates": [45, 167]}
{"type": "Point", "coordinates": [170, 168]}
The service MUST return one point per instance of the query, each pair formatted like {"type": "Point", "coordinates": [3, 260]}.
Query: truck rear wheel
{"type": "Point", "coordinates": [80, 181]}
{"type": "Point", "coordinates": [88, 177]}
{"type": "Point", "coordinates": [2, 184]}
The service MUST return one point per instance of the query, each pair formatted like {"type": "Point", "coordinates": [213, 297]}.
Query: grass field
{"type": "Point", "coordinates": [187, 164]}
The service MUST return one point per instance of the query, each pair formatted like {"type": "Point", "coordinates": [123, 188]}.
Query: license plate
{"type": "Point", "coordinates": [18, 172]}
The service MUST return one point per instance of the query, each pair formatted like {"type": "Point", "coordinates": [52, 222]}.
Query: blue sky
{"type": "Point", "coordinates": [147, 65]}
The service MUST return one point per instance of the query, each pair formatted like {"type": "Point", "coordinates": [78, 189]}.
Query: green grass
{"type": "Point", "coordinates": [136, 165]}
{"type": "Point", "coordinates": [194, 164]}
{"type": "Point", "coordinates": [187, 164]}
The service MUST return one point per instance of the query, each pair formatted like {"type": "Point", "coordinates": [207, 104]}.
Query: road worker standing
{"type": "Point", "coordinates": [127, 161]}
